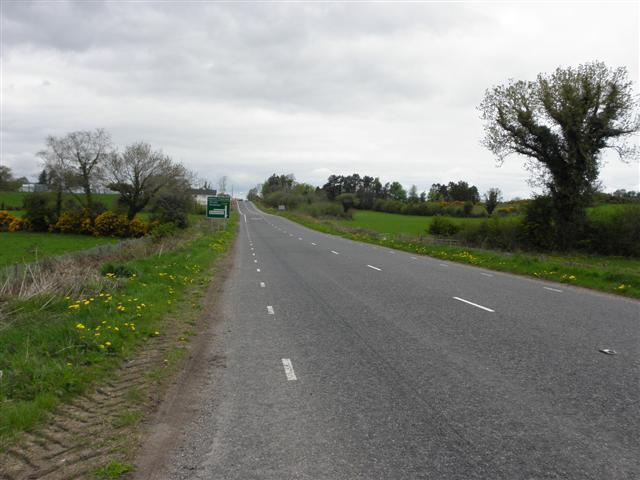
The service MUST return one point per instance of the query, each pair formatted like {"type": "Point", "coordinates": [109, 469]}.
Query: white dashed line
{"type": "Point", "coordinates": [486, 274]}
{"type": "Point", "coordinates": [553, 289]}
{"type": "Point", "coordinates": [255, 261]}
{"type": "Point", "coordinates": [254, 254]}
{"type": "Point", "coordinates": [314, 244]}
{"type": "Point", "coordinates": [288, 369]}
{"type": "Point", "coordinates": [375, 268]}
{"type": "Point", "coordinates": [474, 304]}
{"type": "Point", "coordinates": [299, 238]}
{"type": "Point", "coordinates": [334, 252]}
{"type": "Point", "coordinates": [258, 270]}
{"type": "Point", "coordinates": [443, 264]}
{"type": "Point", "coordinates": [270, 310]}
{"type": "Point", "coordinates": [262, 285]}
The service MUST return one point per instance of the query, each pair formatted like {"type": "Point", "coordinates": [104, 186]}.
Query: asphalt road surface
{"type": "Point", "coordinates": [348, 361]}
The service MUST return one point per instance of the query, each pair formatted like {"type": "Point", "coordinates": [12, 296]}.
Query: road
{"type": "Point", "coordinates": [344, 360]}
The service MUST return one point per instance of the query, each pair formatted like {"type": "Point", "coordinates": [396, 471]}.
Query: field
{"type": "Point", "coordinates": [393, 223]}
{"type": "Point", "coordinates": [24, 247]}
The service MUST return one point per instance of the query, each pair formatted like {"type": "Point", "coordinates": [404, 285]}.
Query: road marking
{"type": "Point", "coordinates": [553, 289]}
{"type": "Point", "coordinates": [414, 258]}
{"type": "Point", "coordinates": [486, 274]}
{"type": "Point", "coordinates": [288, 369]}
{"type": "Point", "coordinates": [245, 218]}
{"type": "Point", "coordinates": [391, 251]}
{"type": "Point", "coordinates": [314, 244]}
{"type": "Point", "coordinates": [299, 238]}
{"type": "Point", "coordinates": [258, 270]}
{"type": "Point", "coordinates": [334, 252]}
{"type": "Point", "coordinates": [253, 254]}
{"type": "Point", "coordinates": [443, 264]}
{"type": "Point", "coordinates": [270, 310]}
{"type": "Point", "coordinates": [474, 304]}
{"type": "Point", "coordinates": [255, 261]}
{"type": "Point", "coordinates": [262, 285]}
{"type": "Point", "coordinates": [291, 234]}
{"type": "Point", "coordinates": [375, 268]}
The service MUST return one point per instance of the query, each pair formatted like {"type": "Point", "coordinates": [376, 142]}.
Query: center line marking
{"type": "Point", "coordinates": [253, 254]}
{"type": "Point", "coordinates": [553, 289]}
{"type": "Point", "coordinates": [299, 238]}
{"type": "Point", "coordinates": [474, 304]}
{"type": "Point", "coordinates": [288, 369]}
{"type": "Point", "coordinates": [333, 251]}
{"type": "Point", "coordinates": [270, 310]}
{"type": "Point", "coordinates": [486, 274]}
{"type": "Point", "coordinates": [258, 270]}
{"type": "Point", "coordinates": [262, 285]}
{"type": "Point", "coordinates": [375, 268]}
{"type": "Point", "coordinates": [313, 243]}
{"type": "Point", "coordinates": [255, 261]}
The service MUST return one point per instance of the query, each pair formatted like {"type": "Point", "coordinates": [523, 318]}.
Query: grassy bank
{"type": "Point", "coordinates": [25, 247]}
{"type": "Point", "coordinates": [52, 349]}
{"type": "Point", "coordinates": [617, 275]}
{"type": "Point", "coordinates": [15, 200]}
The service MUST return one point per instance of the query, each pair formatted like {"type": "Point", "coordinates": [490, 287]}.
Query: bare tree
{"type": "Point", "coordinates": [79, 158]}
{"type": "Point", "coordinates": [139, 174]}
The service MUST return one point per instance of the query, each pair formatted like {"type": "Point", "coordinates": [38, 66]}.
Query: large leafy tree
{"type": "Point", "coordinates": [562, 122]}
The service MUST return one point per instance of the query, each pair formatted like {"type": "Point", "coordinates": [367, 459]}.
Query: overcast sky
{"type": "Point", "coordinates": [246, 90]}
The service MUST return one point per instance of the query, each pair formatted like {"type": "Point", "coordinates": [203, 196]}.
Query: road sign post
{"type": "Point", "coordinates": [218, 207]}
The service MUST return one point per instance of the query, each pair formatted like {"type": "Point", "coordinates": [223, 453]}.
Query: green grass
{"type": "Point", "coordinates": [616, 275]}
{"type": "Point", "coordinates": [24, 247]}
{"type": "Point", "coordinates": [113, 470]}
{"type": "Point", "coordinates": [50, 354]}
{"type": "Point", "coordinates": [394, 223]}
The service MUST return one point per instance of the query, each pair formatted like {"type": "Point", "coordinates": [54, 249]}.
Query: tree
{"type": "Point", "coordinates": [413, 194]}
{"type": "Point", "coordinates": [79, 158]}
{"type": "Point", "coordinates": [562, 122]}
{"type": "Point", "coordinates": [139, 174]}
{"type": "Point", "coordinates": [396, 192]}
{"type": "Point", "coordinates": [491, 199]}
{"type": "Point", "coordinates": [42, 178]}
{"type": "Point", "coordinates": [348, 200]}
{"type": "Point", "coordinates": [8, 182]}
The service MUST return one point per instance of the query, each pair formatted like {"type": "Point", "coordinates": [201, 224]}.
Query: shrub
{"type": "Point", "coordinates": [109, 224]}
{"type": "Point", "coordinates": [162, 230]}
{"type": "Point", "coordinates": [39, 211]}
{"type": "Point", "coordinates": [111, 270]}
{"type": "Point", "coordinates": [538, 229]}
{"type": "Point", "coordinates": [497, 233]}
{"type": "Point", "coordinates": [615, 234]}
{"type": "Point", "coordinates": [172, 208]}
{"type": "Point", "coordinates": [325, 209]}
{"type": "Point", "coordinates": [5, 219]}
{"type": "Point", "coordinates": [71, 222]}
{"type": "Point", "coordinates": [18, 224]}
{"type": "Point", "coordinates": [443, 226]}
{"type": "Point", "coordinates": [137, 228]}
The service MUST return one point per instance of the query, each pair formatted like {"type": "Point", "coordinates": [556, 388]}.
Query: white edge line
{"type": "Point", "coordinates": [474, 304]}
{"type": "Point", "coordinates": [288, 369]}
{"type": "Point", "coordinates": [553, 289]}
{"type": "Point", "coordinates": [270, 310]}
{"type": "Point", "coordinates": [486, 274]}
{"type": "Point", "coordinates": [262, 285]}
{"type": "Point", "coordinates": [375, 268]}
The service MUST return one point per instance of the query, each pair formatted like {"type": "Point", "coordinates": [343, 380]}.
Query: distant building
{"type": "Point", "coordinates": [33, 187]}
{"type": "Point", "coordinates": [200, 194]}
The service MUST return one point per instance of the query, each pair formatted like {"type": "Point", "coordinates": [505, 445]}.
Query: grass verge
{"type": "Point", "coordinates": [617, 275]}
{"type": "Point", "coordinates": [25, 247]}
{"type": "Point", "coordinates": [51, 354]}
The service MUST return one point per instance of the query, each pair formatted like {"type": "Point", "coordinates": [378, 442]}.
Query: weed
{"type": "Point", "coordinates": [113, 470]}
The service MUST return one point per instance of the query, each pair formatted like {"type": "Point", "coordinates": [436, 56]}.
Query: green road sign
{"type": "Point", "coordinates": [218, 207]}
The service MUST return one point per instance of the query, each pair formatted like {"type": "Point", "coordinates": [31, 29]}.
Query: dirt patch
{"type": "Point", "coordinates": [104, 427]}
